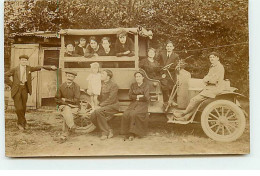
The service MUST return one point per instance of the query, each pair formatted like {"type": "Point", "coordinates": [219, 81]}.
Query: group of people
{"type": "Point", "coordinates": [124, 46]}
{"type": "Point", "coordinates": [104, 92]}
{"type": "Point", "coordinates": [104, 101]}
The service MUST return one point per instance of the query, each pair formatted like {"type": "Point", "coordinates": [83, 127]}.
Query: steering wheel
{"type": "Point", "coordinates": [167, 66]}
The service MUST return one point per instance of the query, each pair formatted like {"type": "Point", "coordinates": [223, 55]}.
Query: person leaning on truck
{"type": "Point", "coordinates": [21, 86]}
{"type": "Point", "coordinates": [92, 48]}
{"type": "Point", "coordinates": [124, 45]}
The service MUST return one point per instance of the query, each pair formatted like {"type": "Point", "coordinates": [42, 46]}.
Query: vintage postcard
{"type": "Point", "coordinates": [126, 77]}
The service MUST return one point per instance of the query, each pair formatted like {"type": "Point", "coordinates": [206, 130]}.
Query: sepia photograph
{"type": "Point", "coordinates": [126, 77]}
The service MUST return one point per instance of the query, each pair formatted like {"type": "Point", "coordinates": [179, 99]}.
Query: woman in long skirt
{"type": "Point", "coordinates": [134, 120]}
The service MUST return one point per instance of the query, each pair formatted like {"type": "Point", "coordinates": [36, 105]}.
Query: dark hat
{"type": "Point", "coordinates": [121, 32]}
{"type": "Point", "coordinates": [71, 72]}
{"type": "Point", "coordinates": [24, 56]}
{"type": "Point", "coordinates": [141, 72]}
{"type": "Point", "coordinates": [215, 54]}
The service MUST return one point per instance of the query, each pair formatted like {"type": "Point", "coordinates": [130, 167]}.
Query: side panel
{"type": "Point", "coordinates": [123, 77]}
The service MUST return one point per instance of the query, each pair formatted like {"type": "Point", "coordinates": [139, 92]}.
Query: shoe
{"type": "Point", "coordinates": [178, 114]}
{"type": "Point", "coordinates": [126, 137]}
{"type": "Point", "coordinates": [131, 138]}
{"type": "Point", "coordinates": [110, 134]}
{"type": "Point", "coordinates": [20, 127]}
{"type": "Point", "coordinates": [103, 137]}
{"type": "Point", "coordinates": [26, 126]}
{"type": "Point", "coordinates": [73, 129]}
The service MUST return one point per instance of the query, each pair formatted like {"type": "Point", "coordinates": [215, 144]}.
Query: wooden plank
{"type": "Point", "coordinates": [99, 59]}
{"type": "Point", "coordinates": [95, 31]}
{"type": "Point", "coordinates": [39, 85]}
{"type": "Point", "coordinates": [136, 52]}
{"type": "Point", "coordinates": [62, 51]}
{"type": "Point", "coordinates": [123, 77]}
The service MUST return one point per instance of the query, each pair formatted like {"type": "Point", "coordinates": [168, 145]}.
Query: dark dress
{"type": "Point", "coordinates": [135, 117]}
{"type": "Point", "coordinates": [79, 50]}
{"type": "Point", "coordinates": [121, 48]}
{"type": "Point", "coordinates": [90, 51]}
{"type": "Point", "coordinates": [151, 68]}
{"type": "Point", "coordinates": [73, 54]}
{"type": "Point", "coordinates": [101, 52]}
{"type": "Point", "coordinates": [110, 64]}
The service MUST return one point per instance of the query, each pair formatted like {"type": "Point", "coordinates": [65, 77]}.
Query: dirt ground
{"type": "Point", "coordinates": [162, 139]}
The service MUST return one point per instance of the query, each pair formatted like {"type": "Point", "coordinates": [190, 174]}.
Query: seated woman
{"type": "Point", "coordinates": [124, 45]}
{"type": "Point", "coordinates": [135, 117]}
{"type": "Point", "coordinates": [69, 52]}
{"type": "Point", "coordinates": [150, 65]}
{"type": "Point", "coordinates": [105, 48]}
{"type": "Point", "coordinates": [92, 48]}
{"type": "Point", "coordinates": [214, 81]}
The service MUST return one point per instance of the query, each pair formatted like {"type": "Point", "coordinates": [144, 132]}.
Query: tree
{"type": "Point", "coordinates": [191, 24]}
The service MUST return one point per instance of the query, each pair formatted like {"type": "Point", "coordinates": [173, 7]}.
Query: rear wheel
{"type": "Point", "coordinates": [223, 121]}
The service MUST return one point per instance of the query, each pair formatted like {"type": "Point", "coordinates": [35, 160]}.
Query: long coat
{"type": "Point", "coordinates": [15, 73]}
{"type": "Point", "coordinates": [135, 117]}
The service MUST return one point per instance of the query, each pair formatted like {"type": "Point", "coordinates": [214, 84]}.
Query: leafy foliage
{"type": "Point", "coordinates": [190, 24]}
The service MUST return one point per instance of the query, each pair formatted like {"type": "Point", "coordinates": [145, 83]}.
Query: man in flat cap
{"type": "Point", "coordinates": [21, 86]}
{"type": "Point", "coordinates": [214, 84]}
{"type": "Point", "coordinates": [108, 105]}
{"type": "Point", "coordinates": [124, 45]}
{"type": "Point", "coordinates": [68, 99]}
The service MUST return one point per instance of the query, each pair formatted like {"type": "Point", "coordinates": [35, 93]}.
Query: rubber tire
{"type": "Point", "coordinates": [217, 137]}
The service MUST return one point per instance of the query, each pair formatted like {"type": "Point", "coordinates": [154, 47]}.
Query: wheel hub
{"type": "Point", "coordinates": [223, 120]}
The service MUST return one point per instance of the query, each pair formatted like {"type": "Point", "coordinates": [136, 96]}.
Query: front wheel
{"type": "Point", "coordinates": [223, 121]}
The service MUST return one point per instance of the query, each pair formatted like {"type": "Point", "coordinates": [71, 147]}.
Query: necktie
{"type": "Point", "coordinates": [168, 55]}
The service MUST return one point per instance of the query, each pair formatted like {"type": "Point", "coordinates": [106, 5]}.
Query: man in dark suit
{"type": "Point", "coordinates": [167, 57]}
{"type": "Point", "coordinates": [21, 86]}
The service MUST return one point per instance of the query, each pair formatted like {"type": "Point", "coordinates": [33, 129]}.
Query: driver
{"type": "Point", "coordinates": [214, 82]}
{"type": "Point", "coordinates": [167, 57]}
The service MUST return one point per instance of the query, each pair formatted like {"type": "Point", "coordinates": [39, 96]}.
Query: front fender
{"type": "Point", "coordinates": [231, 96]}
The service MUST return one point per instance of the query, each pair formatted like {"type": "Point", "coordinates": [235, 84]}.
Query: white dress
{"type": "Point", "coordinates": [94, 83]}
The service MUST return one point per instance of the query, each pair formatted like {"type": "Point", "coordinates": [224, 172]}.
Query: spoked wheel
{"type": "Point", "coordinates": [223, 121]}
{"type": "Point", "coordinates": [82, 119]}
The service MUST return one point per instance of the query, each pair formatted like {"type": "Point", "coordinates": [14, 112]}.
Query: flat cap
{"type": "Point", "coordinates": [71, 72]}
{"type": "Point", "coordinates": [24, 56]}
